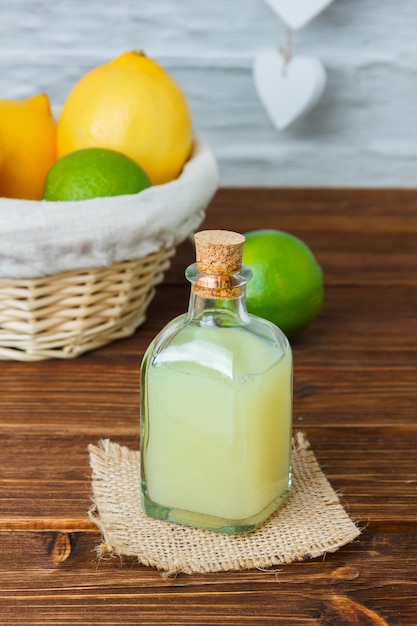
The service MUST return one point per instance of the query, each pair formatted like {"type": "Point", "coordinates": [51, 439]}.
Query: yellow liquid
{"type": "Point", "coordinates": [220, 409]}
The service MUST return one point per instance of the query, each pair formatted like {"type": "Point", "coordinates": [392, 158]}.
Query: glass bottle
{"type": "Point", "coordinates": [216, 402]}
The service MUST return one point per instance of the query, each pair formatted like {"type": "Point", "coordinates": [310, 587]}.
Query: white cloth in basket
{"type": "Point", "coordinates": [43, 238]}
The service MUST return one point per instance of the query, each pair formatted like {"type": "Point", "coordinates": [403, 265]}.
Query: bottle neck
{"type": "Point", "coordinates": [218, 300]}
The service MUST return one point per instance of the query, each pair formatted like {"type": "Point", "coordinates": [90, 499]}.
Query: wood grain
{"type": "Point", "coordinates": [355, 395]}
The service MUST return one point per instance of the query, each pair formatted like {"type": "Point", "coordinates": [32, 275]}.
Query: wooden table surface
{"type": "Point", "coordinates": [355, 396]}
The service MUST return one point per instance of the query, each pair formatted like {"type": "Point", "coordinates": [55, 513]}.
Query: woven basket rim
{"type": "Point", "coordinates": [82, 271]}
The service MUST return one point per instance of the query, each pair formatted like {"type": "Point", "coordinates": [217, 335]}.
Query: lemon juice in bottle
{"type": "Point", "coordinates": [216, 403]}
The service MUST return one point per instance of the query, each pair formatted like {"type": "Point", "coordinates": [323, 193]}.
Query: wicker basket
{"type": "Point", "coordinates": [65, 286]}
{"type": "Point", "coordinates": [64, 315]}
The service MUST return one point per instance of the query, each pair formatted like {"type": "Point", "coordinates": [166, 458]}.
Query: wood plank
{"type": "Point", "coordinates": [344, 396]}
{"type": "Point", "coordinates": [371, 228]}
{"type": "Point", "coordinates": [46, 578]}
{"type": "Point", "coordinates": [318, 210]}
{"type": "Point", "coordinates": [356, 325]}
{"type": "Point", "coordinates": [55, 491]}
{"type": "Point", "coordinates": [368, 253]}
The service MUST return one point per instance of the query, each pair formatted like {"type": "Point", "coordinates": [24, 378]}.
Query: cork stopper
{"type": "Point", "coordinates": [219, 257]}
{"type": "Point", "coordinates": [219, 251]}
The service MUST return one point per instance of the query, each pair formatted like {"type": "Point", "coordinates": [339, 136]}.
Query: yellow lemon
{"type": "Point", "coordinates": [287, 283]}
{"type": "Point", "coordinates": [134, 106]}
{"type": "Point", "coordinates": [28, 144]}
{"type": "Point", "coordinates": [93, 173]}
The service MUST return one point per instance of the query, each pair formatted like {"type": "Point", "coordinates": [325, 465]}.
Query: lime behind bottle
{"type": "Point", "coordinates": [216, 403]}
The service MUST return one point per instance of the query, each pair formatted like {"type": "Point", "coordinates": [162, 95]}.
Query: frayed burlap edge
{"type": "Point", "coordinates": [311, 523]}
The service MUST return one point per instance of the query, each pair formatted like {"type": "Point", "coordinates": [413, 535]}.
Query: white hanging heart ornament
{"type": "Point", "coordinates": [287, 90]}
{"type": "Point", "coordinates": [297, 13]}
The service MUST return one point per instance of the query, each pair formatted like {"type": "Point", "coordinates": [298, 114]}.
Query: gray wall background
{"type": "Point", "coordinates": [363, 132]}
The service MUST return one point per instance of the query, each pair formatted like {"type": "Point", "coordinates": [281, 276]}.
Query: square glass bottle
{"type": "Point", "coordinates": [216, 403]}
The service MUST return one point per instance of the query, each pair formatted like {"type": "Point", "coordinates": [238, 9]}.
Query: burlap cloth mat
{"type": "Point", "coordinates": [310, 524]}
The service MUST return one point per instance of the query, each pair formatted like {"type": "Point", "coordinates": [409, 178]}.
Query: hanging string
{"type": "Point", "coordinates": [286, 50]}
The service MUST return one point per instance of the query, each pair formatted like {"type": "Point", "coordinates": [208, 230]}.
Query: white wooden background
{"type": "Point", "coordinates": [362, 133]}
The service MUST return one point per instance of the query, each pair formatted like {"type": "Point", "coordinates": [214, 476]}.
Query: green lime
{"type": "Point", "coordinates": [287, 284]}
{"type": "Point", "coordinates": [92, 173]}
